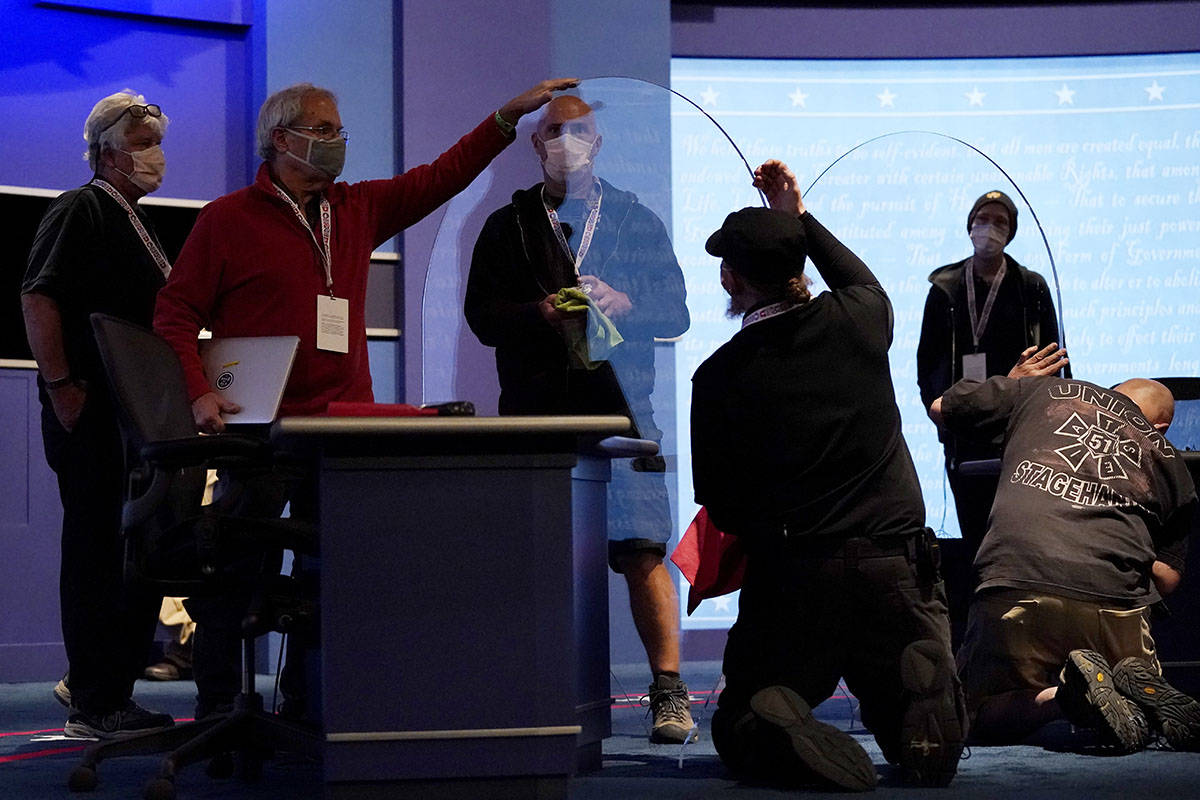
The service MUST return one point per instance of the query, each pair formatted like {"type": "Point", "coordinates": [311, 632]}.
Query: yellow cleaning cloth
{"type": "Point", "coordinates": [596, 340]}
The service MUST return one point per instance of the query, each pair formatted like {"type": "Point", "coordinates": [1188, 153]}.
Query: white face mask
{"type": "Point", "coordinates": [149, 167]}
{"type": "Point", "coordinates": [989, 240]}
{"type": "Point", "coordinates": [567, 154]}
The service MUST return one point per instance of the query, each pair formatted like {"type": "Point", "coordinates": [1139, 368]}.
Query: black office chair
{"type": "Point", "coordinates": [175, 546]}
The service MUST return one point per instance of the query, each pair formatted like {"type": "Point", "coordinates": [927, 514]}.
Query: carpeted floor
{"type": "Point", "coordinates": [35, 758]}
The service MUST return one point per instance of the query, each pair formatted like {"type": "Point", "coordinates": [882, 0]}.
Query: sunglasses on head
{"type": "Point", "coordinates": [137, 112]}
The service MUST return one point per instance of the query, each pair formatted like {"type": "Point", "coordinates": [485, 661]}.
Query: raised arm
{"type": "Point", "coordinates": [838, 265]}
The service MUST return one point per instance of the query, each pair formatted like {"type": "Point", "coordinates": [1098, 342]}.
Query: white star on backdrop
{"type": "Point", "coordinates": [722, 603]}
{"type": "Point", "coordinates": [1066, 97]}
{"type": "Point", "coordinates": [975, 97]}
{"type": "Point", "coordinates": [887, 99]}
{"type": "Point", "coordinates": [709, 97]}
{"type": "Point", "coordinates": [798, 98]}
{"type": "Point", "coordinates": [1154, 91]}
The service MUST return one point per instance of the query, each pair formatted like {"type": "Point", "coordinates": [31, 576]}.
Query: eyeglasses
{"type": "Point", "coordinates": [321, 131]}
{"type": "Point", "coordinates": [137, 112]}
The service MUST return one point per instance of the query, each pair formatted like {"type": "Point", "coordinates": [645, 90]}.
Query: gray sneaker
{"type": "Point", "coordinates": [1089, 698]}
{"type": "Point", "coordinates": [1171, 712]}
{"type": "Point", "coordinates": [130, 720]}
{"type": "Point", "coordinates": [671, 709]}
{"type": "Point", "coordinates": [62, 693]}
{"type": "Point", "coordinates": [831, 753]}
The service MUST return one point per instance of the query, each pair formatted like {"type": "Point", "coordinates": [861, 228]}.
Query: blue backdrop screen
{"type": "Point", "coordinates": [1104, 151]}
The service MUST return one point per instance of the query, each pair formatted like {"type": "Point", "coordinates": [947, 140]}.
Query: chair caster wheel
{"type": "Point", "coordinates": [220, 767]}
{"type": "Point", "coordinates": [82, 779]}
{"type": "Point", "coordinates": [159, 789]}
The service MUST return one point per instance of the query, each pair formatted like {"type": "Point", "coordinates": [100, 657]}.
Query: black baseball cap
{"type": "Point", "coordinates": [760, 244]}
{"type": "Point", "coordinates": [996, 197]}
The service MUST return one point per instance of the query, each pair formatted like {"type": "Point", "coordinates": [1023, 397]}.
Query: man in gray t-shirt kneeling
{"type": "Point", "coordinates": [1088, 529]}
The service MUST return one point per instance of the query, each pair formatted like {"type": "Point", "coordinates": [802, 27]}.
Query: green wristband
{"type": "Point", "coordinates": [506, 127]}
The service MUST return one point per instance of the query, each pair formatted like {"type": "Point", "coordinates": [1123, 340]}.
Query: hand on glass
{"type": "Point", "coordinates": [1035, 363]}
{"type": "Point", "coordinates": [778, 183]}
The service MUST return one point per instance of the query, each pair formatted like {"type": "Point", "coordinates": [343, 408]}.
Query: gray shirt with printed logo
{"type": "Point", "coordinates": [1090, 494]}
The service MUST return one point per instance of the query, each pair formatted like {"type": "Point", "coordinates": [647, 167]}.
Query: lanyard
{"type": "Point", "coordinates": [979, 322]}
{"type": "Point", "coordinates": [589, 227]}
{"type": "Point", "coordinates": [326, 226]}
{"type": "Point", "coordinates": [151, 246]}
{"type": "Point", "coordinates": [766, 312]}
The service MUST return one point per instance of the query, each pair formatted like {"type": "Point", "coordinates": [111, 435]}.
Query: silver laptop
{"type": "Point", "coordinates": [251, 371]}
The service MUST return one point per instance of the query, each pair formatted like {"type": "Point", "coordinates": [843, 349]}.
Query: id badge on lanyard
{"type": "Point", "coordinates": [974, 365]}
{"type": "Point", "coordinates": [333, 313]}
{"type": "Point", "coordinates": [589, 228]}
{"type": "Point", "coordinates": [156, 253]}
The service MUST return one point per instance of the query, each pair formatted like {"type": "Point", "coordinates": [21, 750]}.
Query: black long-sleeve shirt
{"type": "Point", "coordinates": [1023, 315]}
{"type": "Point", "coordinates": [794, 420]}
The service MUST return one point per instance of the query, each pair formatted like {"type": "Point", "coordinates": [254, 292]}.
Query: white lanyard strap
{"type": "Point", "coordinates": [151, 246]}
{"type": "Point", "coordinates": [979, 321]}
{"type": "Point", "coordinates": [326, 225]}
{"type": "Point", "coordinates": [766, 312]}
{"type": "Point", "coordinates": [589, 228]}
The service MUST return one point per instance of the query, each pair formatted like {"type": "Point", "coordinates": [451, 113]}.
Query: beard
{"type": "Point", "coordinates": [737, 307]}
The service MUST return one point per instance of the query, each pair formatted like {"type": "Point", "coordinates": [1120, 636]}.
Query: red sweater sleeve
{"type": "Point", "coordinates": [408, 198]}
{"type": "Point", "coordinates": [185, 304]}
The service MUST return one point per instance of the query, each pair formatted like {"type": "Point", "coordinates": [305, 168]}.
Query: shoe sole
{"type": "Point", "coordinates": [1087, 674]}
{"type": "Point", "coordinates": [80, 731]}
{"type": "Point", "coordinates": [674, 734]}
{"type": "Point", "coordinates": [62, 694]}
{"type": "Point", "coordinates": [1176, 714]}
{"type": "Point", "coordinates": [827, 751]}
{"type": "Point", "coordinates": [932, 730]}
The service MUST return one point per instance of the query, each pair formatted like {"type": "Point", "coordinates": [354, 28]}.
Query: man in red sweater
{"type": "Point", "coordinates": [289, 255]}
{"type": "Point", "coordinates": [293, 248]}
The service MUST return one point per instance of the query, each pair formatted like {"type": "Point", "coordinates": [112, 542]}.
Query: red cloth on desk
{"type": "Point", "coordinates": [713, 562]}
{"type": "Point", "coordinates": [341, 408]}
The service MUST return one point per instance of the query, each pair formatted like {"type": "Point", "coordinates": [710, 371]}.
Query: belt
{"type": "Point", "coordinates": [854, 547]}
{"type": "Point", "coordinates": [919, 547]}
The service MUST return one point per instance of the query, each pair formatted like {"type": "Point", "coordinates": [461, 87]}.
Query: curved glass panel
{"type": "Point", "coordinates": [900, 200]}
{"type": "Point", "coordinates": [643, 127]}
{"type": "Point", "coordinates": [497, 254]}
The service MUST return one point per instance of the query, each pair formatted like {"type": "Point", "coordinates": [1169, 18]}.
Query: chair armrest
{"type": "Point", "coordinates": [194, 451]}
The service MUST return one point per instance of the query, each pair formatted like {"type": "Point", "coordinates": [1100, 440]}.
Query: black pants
{"type": "Point", "coordinates": [810, 615]}
{"type": "Point", "coordinates": [217, 645]}
{"type": "Point", "coordinates": [973, 498]}
{"type": "Point", "coordinates": [107, 627]}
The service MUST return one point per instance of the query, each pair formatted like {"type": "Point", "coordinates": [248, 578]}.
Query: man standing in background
{"type": "Point", "coordinates": [981, 314]}
{"type": "Point", "coordinates": [575, 231]}
{"type": "Point", "coordinates": [96, 251]}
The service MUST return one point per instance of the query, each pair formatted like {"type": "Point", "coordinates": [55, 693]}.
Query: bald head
{"type": "Point", "coordinates": [566, 142]}
{"type": "Point", "coordinates": [569, 111]}
{"type": "Point", "coordinates": [1155, 400]}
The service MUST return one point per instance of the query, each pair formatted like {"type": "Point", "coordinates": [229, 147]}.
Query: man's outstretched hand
{"type": "Point", "coordinates": [1034, 363]}
{"type": "Point", "coordinates": [535, 98]}
{"type": "Point", "coordinates": [778, 183]}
